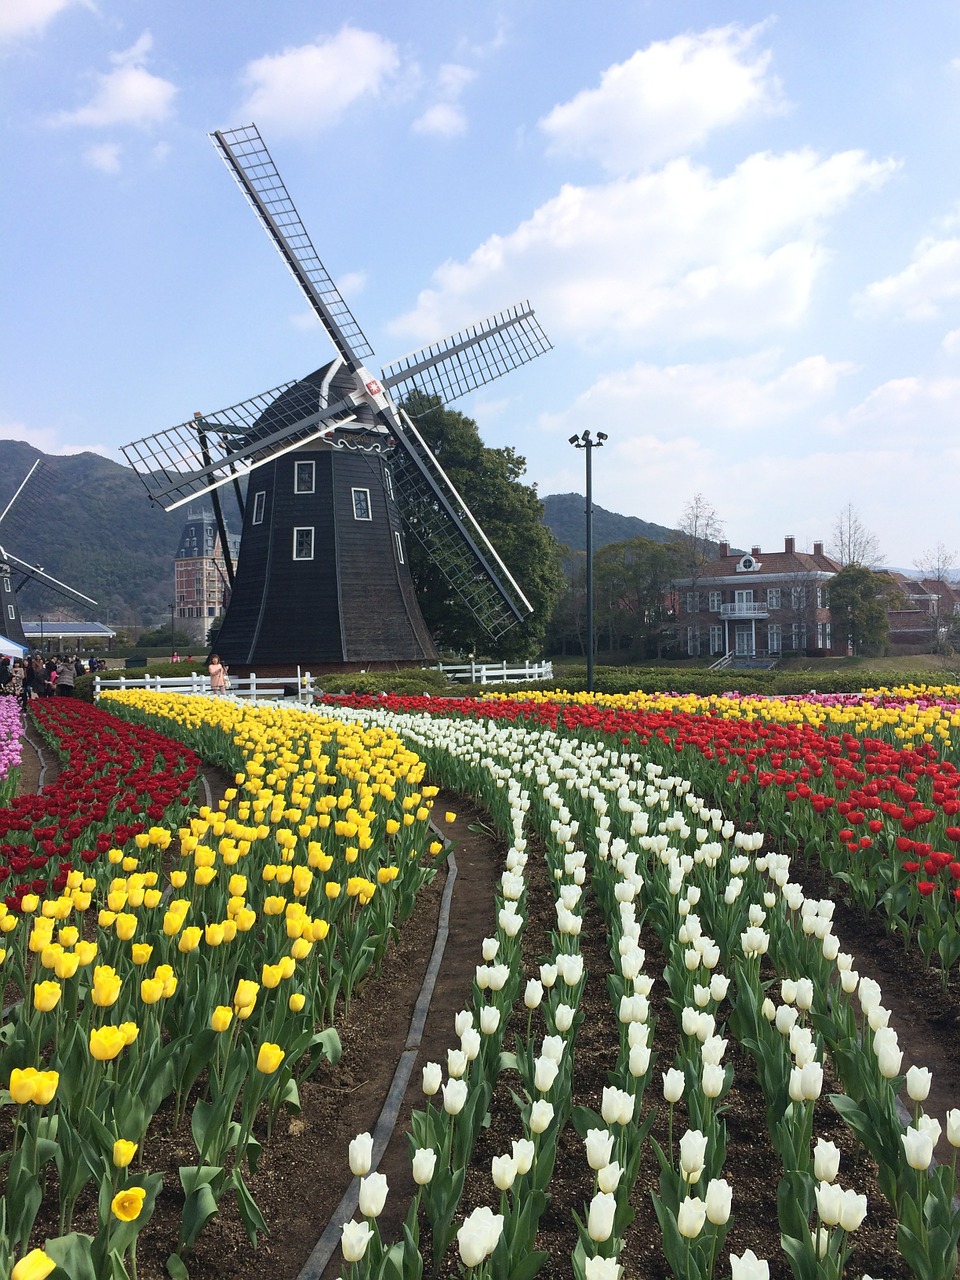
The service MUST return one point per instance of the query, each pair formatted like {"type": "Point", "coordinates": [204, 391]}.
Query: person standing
{"type": "Point", "coordinates": [218, 674]}
{"type": "Point", "coordinates": [66, 675]}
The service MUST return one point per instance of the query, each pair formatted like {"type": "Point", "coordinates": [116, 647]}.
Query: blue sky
{"type": "Point", "coordinates": [739, 224]}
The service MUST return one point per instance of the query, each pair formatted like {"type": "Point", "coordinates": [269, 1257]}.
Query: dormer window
{"type": "Point", "coordinates": [748, 564]}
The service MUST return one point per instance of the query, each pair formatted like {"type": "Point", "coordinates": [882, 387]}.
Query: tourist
{"type": "Point", "coordinates": [66, 675]}
{"type": "Point", "coordinates": [218, 675]}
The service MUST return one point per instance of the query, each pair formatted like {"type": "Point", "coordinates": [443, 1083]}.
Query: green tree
{"type": "Point", "coordinates": [510, 514]}
{"type": "Point", "coordinates": [634, 580]}
{"type": "Point", "coordinates": [859, 599]}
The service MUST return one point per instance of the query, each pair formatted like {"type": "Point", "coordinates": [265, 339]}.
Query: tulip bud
{"type": "Point", "coordinates": [673, 1082]}
{"type": "Point", "coordinates": [918, 1148]}
{"type": "Point", "coordinates": [432, 1076]}
{"type": "Point", "coordinates": [691, 1217]}
{"type": "Point", "coordinates": [523, 1155]}
{"type": "Point", "coordinates": [853, 1210]}
{"type": "Point", "coordinates": [748, 1266]}
{"type": "Point", "coordinates": [953, 1127]}
{"type": "Point", "coordinates": [919, 1080]}
{"type": "Point", "coordinates": [599, 1145]}
{"type": "Point", "coordinates": [533, 994]}
{"type": "Point", "coordinates": [454, 1097]}
{"type": "Point", "coordinates": [373, 1194]}
{"type": "Point", "coordinates": [600, 1216]}
{"type": "Point", "coordinates": [718, 1201]}
{"type": "Point", "coordinates": [424, 1165]}
{"type": "Point", "coordinates": [354, 1240]}
{"type": "Point", "coordinates": [361, 1154]}
{"type": "Point", "coordinates": [541, 1116]}
{"type": "Point", "coordinates": [826, 1160]}
{"type": "Point", "coordinates": [503, 1170]}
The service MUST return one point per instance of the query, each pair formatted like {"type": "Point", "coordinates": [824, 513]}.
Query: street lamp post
{"type": "Point", "coordinates": [586, 442]}
{"type": "Point", "coordinates": [173, 648]}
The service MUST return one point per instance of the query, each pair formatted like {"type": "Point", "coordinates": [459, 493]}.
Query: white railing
{"type": "Point", "coordinates": [306, 685]}
{"type": "Point", "coordinates": [721, 662]}
{"type": "Point", "coordinates": [253, 687]}
{"type": "Point", "coordinates": [497, 672]}
{"type": "Point", "coordinates": [745, 609]}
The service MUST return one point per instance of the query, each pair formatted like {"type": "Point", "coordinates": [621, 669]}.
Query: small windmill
{"type": "Point", "coordinates": [11, 624]}
{"type": "Point", "coordinates": [339, 475]}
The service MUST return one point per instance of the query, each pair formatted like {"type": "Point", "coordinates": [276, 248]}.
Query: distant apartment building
{"type": "Point", "coordinates": [761, 604]}
{"type": "Point", "coordinates": [201, 586]}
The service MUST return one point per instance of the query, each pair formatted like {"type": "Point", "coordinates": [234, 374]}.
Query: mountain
{"type": "Point", "coordinates": [564, 515]}
{"type": "Point", "coordinates": [89, 523]}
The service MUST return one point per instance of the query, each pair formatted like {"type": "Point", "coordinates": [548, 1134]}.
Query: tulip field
{"type": "Point", "coordinates": [181, 967]}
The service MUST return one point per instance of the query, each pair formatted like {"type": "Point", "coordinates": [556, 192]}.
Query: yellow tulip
{"type": "Point", "coordinates": [296, 1002]}
{"type": "Point", "coordinates": [123, 1153]}
{"type": "Point", "coordinates": [449, 816]}
{"type": "Point", "coordinates": [245, 996]}
{"type": "Point", "coordinates": [106, 986]}
{"type": "Point", "coordinates": [106, 1042]}
{"type": "Point", "coordinates": [127, 1205]}
{"type": "Point", "coordinates": [22, 1083]}
{"type": "Point", "coordinates": [46, 996]}
{"type": "Point", "coordinates": [86, 952]}
{"type": "Point", "coordinates": [269, 1058]}
{"type": "Point", "coordinates": [190, 939]}
{"type": "Point", "coordinates": [66, 965]}
{"type": "Point", "coordinates": [151, 990]}
{"type": "Point", "coordinates": [125, 926]}
{"type": "Point", "coordinates": [141, 952]}
{"type": "Point", "coordinates": [35, 1265]}
{"type": "Point", "coordinates": [332, 889]}
{"type": "Point", "coordinates": [129, 1031]}
{"type": "Point", "coordinates": [270, 975]}
{"type": "Point", "coordinates": [221, 1017]}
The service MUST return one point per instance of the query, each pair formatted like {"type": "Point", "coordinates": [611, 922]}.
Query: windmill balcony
{"type": "Point", "coordinates": [744, 609]}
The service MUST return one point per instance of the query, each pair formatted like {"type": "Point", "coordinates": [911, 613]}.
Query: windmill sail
{"type": "Point", "coordinates": [250, 163]}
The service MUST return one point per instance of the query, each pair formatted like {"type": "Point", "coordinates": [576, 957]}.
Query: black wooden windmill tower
{"type": "Point", "coordinates": [338, 476]}
{"type": "Point", "coordinates": [16, 573]}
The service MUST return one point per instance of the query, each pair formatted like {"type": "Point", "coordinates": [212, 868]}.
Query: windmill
{"type": "Point", "coordinates": [338, 476]}
{"type": "Point", "coordinates": [11, 623]}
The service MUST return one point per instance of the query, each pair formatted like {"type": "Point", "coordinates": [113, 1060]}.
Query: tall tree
{"type": "Point", "coordinates": [858, 603]}
{"type": "Point", "coordinates": [934, 566]}
{"type": "Point", "coordinates": [853, 542]}
{"type": "Point", "coordinates": [700, 530]}
{"type": "Point", "coordinates": [510, 514]}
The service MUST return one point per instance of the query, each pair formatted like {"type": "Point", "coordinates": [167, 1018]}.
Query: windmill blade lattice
{"type": "Point", "coordinates": [249, 161]}
{"type": "Point", "coordinates": [470, 359]}
{"type": "Point", "coordinates": [171, 463]}
{"type": "Point", "coordinates": [434, 513]}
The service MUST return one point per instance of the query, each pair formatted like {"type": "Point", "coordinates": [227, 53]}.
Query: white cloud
{"type": "Point", "coordinates": [446, 118]}
{"type": "Point", "coordinates": [30, 17]}
{"type": "Point", "coordinates": [47, 440]}
{"type": "Point", "coordinates": [665, 100]}
{"type": "Point", "coordinates": [105, 157]}
{"type": "Point", "coordinates": [128, 95]}
{"type": "Point", "coordinates": [310, 87]}
{"type": "Point", "coordinates": [917, 292]}
{"type": "Point", "coordinates": [442, 120]}
{"type": "Point", "coordinates": [668, 255]}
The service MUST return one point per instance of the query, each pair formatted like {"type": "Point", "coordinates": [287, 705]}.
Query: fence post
{"type": "Point", "coordinates": [96, 686]}
{"type": "Point", "coordinates": [253, 686]}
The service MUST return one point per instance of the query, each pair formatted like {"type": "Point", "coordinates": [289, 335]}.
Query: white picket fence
{"type": "Point", "coordinates": [304, 684]}
{"type": "Point", "coordinates": [497, 672]}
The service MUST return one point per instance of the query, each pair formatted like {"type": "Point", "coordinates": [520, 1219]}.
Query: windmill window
{"type": "Point", "coordinates": [303, 544]}
{"type": "Point", "coordinates": [388, 481]}
{"type": "Point", "coordinates": [399, 546]}
{"type": "Point", "coordinates": [303, 477]}
{"type": "Point", "coordinates": [6, 582]}
{"type": "Point", "coordinates": [259, 502]}
{"type": "Point", "coordinates": [361, 504]}
{"type": "Point", "coordinates": [11, 611]}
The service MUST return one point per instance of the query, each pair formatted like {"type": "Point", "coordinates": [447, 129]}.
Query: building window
{"type": "Point", "coordinates": [798, 636]}
{"type": "Point", "coordinates": [693, 602]}
{"type": "Point", "coordinates": [716, 639]}
{"type": "Point", "coordinates": [798, 597]}
{"type": "Point", "coordinates": [773, 597]}
{"type": "Point", "coordinates": [303, 544]}
{"type": "Point", "coordinates": [715, 599]}
{"type": "Point", "coordinates": [388, 481]}
{"type": "Point", "coordinates": [823, 597]}
{"type": "Point", "coordinates": [399, 543]}
{"type": "Point", "coordinates": [259, 502]}
{"type": "Point", "coordinates": [12, 612]}
{"type": "Point", "coordinates": [693, 641]}
{"type": "Point", "coordinates": [6, 582]}
{"type": "Point", "coordinates": [361, 504]}
{"type": "Point", "coordinates": [774, 638]}
{"type": "Point", "coordinates": [823, 635]}
{"type": "Point", "coordinates": [303, 477]}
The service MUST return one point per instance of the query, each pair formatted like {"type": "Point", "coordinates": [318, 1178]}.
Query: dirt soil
{"type": "Point", "coordinates": [303, 1172]}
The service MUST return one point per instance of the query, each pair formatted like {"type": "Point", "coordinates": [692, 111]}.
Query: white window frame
{"type": "Point", "coordinates": [399, 541]}
{"type": "Point", "coordinates": [388, 481]}
{"type": "Point", "coordinates": [773, 597]}
{"type": "Point", "coordinates": [12, 612]}
{"type": "Point", "coordinates": [715, 600]}
{"type": "Point", "coordinates": [353, 496]}
{"type": "Point", "coordinates": [716, 639]}
{"type": "Point", "coordinates": [774, 637]}
{"type": "Point", "coordinates": [298, 529]}
{"type": "Point", "coordinates": [259, 506]}
{"type": "Point", "coordinates": [296, 477]}
{"type": "Point", "coordinates": [693, 602]}
{"type": "Point", "coordinates": [6, 582]}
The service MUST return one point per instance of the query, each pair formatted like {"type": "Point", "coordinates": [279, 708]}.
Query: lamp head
{"type": "Point", "coordinates": [574, 440]}
{"type": "Point", "coordinates": [602, 435]}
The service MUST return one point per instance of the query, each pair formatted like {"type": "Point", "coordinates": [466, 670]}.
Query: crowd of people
{"type": "Point", "coordinates": [38, 677]}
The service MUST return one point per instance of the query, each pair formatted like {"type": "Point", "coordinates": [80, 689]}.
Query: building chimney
{"type": "Point", "coordinates": [724, 549]}
{"type": "Point", "coordinates": [818, 548]}
{"type": "Point", "coordinates": [755, 552]}
{"type": "Point", "coordinates": [789, 545]}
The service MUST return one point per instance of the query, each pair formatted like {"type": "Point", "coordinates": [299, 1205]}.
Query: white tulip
{"type": "Point", "coordinates": [541, 1116]}
{"type": "Point", "coordinates": [432, 1076]}
{"type": "Point", "coordinates": [456, 1063]}
{"type": "Point", "coordinates": [673, 1082]}
{"type": "Point", "coordinates": [826, 1160]}
{"type": "Point", "coordinates": [454, 1097]}
{"type": "Point", "coordinates": [693, 1148]}
{"type": "Point", "coordinates": [917, 1147]}
{"type": "Point", "coordinates": [919, 1080]}
{"type": "Point", "coordinates": [489, 948]}
{"type": "Point", "coordinates": [953, 1127]}
{"type": "Point", "coordinates": [424, 1165]}
{"type": "Point", "coordinates": [503, 1170]}
{"type": "Point", "coordinates": [544, 1074]}
{"type": "Point", "coordinates": [602, 1269]}
{"type": "Point", "coordinates": [479, 1235]}
{"type": "Point", "coordinates": [616, 1106]}
{"type": "Point", "coordinates": [361, 1154]}
{"type": "Point", "coordinates": [718, 1201]}
{"type": "Point", "coordinates": [690, 1217]}
{"type": "Point", "coordinates": [639, 1061]}
{"type": "Point", "coordinates": [600, 1217]}
{"type": "Point", "coordinates": [470, 1043]}
{"type": "Point", "coordinates": [533, 994]}
{"type": "Point", "coordinates": [711, 1081]}
{"type": "Point", "coordinates": [599, 1145]}
{"type": "Point", "coordinates": [829, 1202]}
{"type": "Point", "coordinates": [553, 1047]}
{"type": "Point", "coordinates": [853, 1210]}
{"type": "Point", "coordinates": [462, 1021]}
{"type": "Point", "coordinates": [373, 1194]}
{"type": "Point", "coordinates": [608, 1178]}
{"type": "Point", "coordinates": [354, 1239]}
{"type": "Point", "coordinates": [523, 1155]}
{"type": "Point", "coordinates": [748, 1266]}
{"type": "Point", "coordinates": [563, 1017]}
